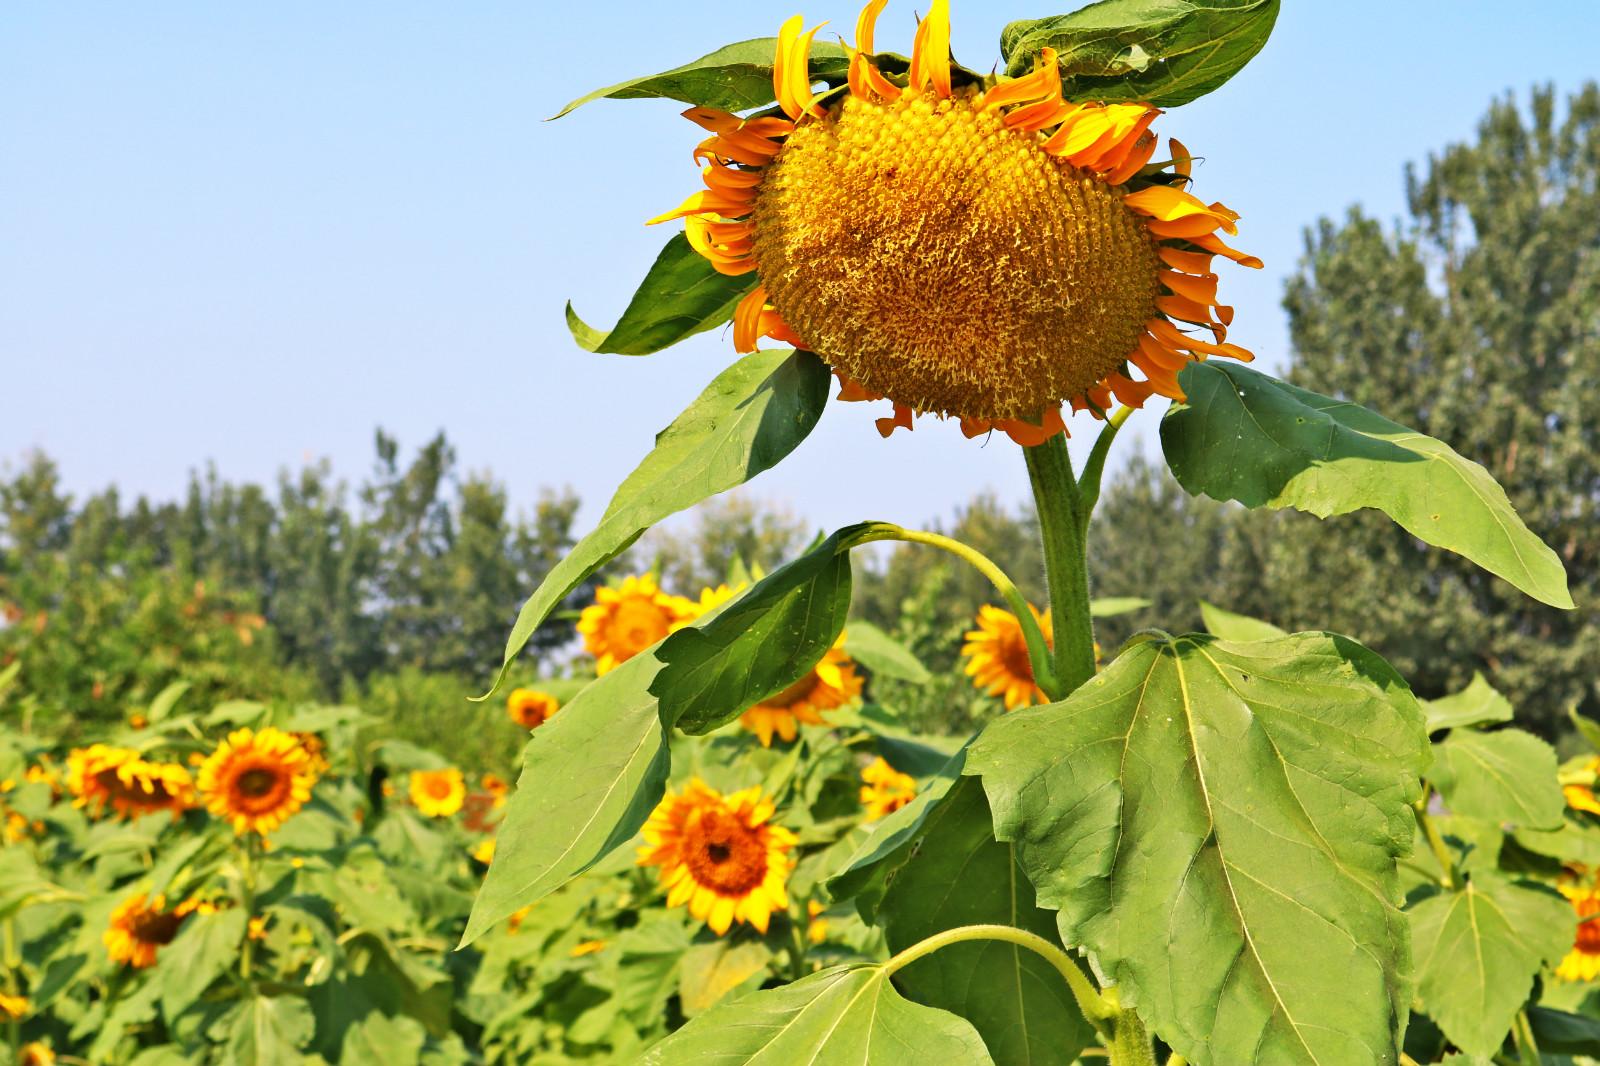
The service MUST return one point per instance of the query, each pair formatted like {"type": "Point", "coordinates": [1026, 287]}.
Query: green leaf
{"type": "Point", "coordinates": [733, 78]}
{"type": "Point", "coordinates": [1477, 704]}
{"type": "Point", "coordinates": [681, 295]}
{"type": "Point", "coordinates": [1478, 950]}
{"type": "Point", "coordinates": [711, 971]}
{"type": "Point", "coordinates": [1230, 626]}
{"type": "Point", "coordinates": [1560, 1033]}
{"type": "Point", "coordinates": [1577, 840]}
{"type": "Point", "coordinates": [961, 875]}
{"type": "Point", "coordinates": [1504, 776]}
{"type": "Point", "coordinates": [1110, 606]}
{"type": "Point", "coordinates": [759, 644]}
{"type": "Point", "coordinates": [269, 1031]}
{"type": "Point", "coordinates": [590, 777]}
{"type": "Point", "coordinates": [882, 654]}
{"type": "Point", "coordinates": [165, 700]}
{"type": "Point", "coordinates": [1248, 437]}
{"type": "Point", "coordinates": [1588, 728]}
{"type": "Point", "coordinates": [380, 1038]}
{"type": "Point", "coordinates": [206, 947]}
{"type": "Point", "coordinates": [1161, 52]}
{"type": "Point", "coordinates": [1218, 823]}
{"type": "Point", "coordinates": [848, 1014]}
{"type": "Point", "coordinates": [749, 418]}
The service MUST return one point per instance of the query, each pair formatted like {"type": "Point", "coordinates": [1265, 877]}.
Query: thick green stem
{"type": "Point", "coordinates": [1063, 525]}
{"type": "Point", "coordinates": [1032, 634]}
{"type": "Point", "coordinates": [1130, 1044]}
{"type": "Point", "coordinates": [1090, 1001]}
{"type": "Point", "coordinates": [247, 879]}
{"type": "Point", "coordinates": [1441, 851]}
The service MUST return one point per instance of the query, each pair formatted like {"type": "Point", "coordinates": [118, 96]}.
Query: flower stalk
{"type": "Point", "coordinates": [1064, 524]}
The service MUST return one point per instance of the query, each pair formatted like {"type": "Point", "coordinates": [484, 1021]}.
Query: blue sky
{"type": "Point", "coordinates": [252, 233]}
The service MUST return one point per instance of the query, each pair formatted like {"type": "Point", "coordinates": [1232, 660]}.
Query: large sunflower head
{"type": "Point", "coordinates": [884, 789]}
{"type": "Point", "coordinates": [531, 708]}
{"type": "Point", "coordinates": [101, 776]}
{"type": "Point", "coordinates": [140, 926]}
{"type": "Point", "coordinates": [438, 793]}
{"type": "Point", "coordinates": [988, 250]}
{"type": "Point", "coordinates": [720, 855]}
{"type": "Point", "coordinates": [625, 620]}
{"type": "Point", "coordinates": [833, 682]}
{"type": "Point", "coordinates": [1582, 963]}
{"type": "Point", "coordinates": [997, 657]}
{"type": "Point", "coordinates": [257, 779]}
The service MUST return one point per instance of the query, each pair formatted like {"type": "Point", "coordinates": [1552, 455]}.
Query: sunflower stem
{"type": "Point", "coordinates": [1063, 526]}
{"type": "Point", "coordinates": [248, 890]}
{"type": "Point", "coordinates": [1527, 1046]}
{"type": "Point", "coordinates": [1094, 468]}
{"type": "Point", "coordinates": [1430, 830]}
{"type": "Point", "coordinates": [1032, 634]}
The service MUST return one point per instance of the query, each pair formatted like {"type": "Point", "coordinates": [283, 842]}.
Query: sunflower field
{"type": "Point", "coordinates": [731, 837]}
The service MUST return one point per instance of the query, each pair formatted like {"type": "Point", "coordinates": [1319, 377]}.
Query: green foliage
{"type": "Point", "coordinates": [1230, 626]}
{"type": "Point", "coordinates": [1161, 52]}
{"type": "Point", "coordinates": [1477, 704]}
{"type": "Point", "coordinates": [1507, 776]}
{"type": "Point", "coordinates": [680, 296]}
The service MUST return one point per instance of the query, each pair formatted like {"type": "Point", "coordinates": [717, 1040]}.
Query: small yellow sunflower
{"type": "Point", "coordinates": [257, 928]}
{"type": "Point", "coordinates": [997, 657]}
{"type": "Point", "coordinates": [1581, 798]}
{"type": "Point", "coordinates": [624, 621]}
{"type": "Point", "coordinates": [720, 855]}
{"type": "Point", "coordinates": [497, 787]}
{"type": "Point", "coordinates": [833, 682]}
{"type": "Point", "coordinates": [141, 926]}
{"type": "Point", "coordinates": [256, 780]}
{"type": "Point", "coordinates": [438, 793]}
{"type": "Point", "coordinates": [102, 776]}
{"type": "Point", "coordinates": [531, 708]}
{"type": "Point", "coordinates": [884, 789]}
{"type": "Point", "coordinates": [317, 750]}
{"type": "Point", "coordinates": [35, 1053]}
{"type": "Point", "coordinates": [986, 251]}
{"type": "Point", "coordinates": [14, 1008]}
{"type": "Point", "coordinates": [484, 851]}
{"type": "Point", "coordinates": [1582, 963]}
{"type": "Point", "coordinates": [816, 924]}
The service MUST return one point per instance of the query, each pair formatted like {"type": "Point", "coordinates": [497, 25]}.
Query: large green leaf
{"type": "Point", "coordinates": [749, 418]}
{"type": "Point", "coordinates": [1477, 951]}
{"type": "Point", "coordinates": [1507, 776]}
{"type": "Point", "coordinates": [1477, 704]}
{"type": "Point", "coordinates": [733, 78]}
{"type": "Point", "coordinates": [1162, 52]}
{"type": "Point", "coordinates": [1560, 1033]}
{"type": "Point", "coordinates": [1230, 626]}
{"type": "Point", "coordinates": [961, 875]}
{"type": "Point", "coordinates": [205, 948]}
{"type": "Point", "coordinates": [1218, 822]}
{"type": "Point", "coordinates": [590, 777]}
{"type": "Point", "coordinates": [269, 1031]}
{"type": "Point", "coordinates": [711, 971]}
{"type": "Point", "coordinates": [761, 643]}
{"type": "Point", "coordinates": [882, 654]}
{"type": "Point", "coordinates": [1248, 437]}
{"type": "Point", "coordinates": [846, 1015]}
{"type": "Point", "coordinates": [681, 295]}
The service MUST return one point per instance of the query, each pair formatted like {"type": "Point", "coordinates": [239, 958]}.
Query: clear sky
{"type": "Point", "coordinates": [251, 233]}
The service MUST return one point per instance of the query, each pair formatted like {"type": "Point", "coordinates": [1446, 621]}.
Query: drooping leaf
{"type": "Point", "coordinates": [1249, 437]}
{"type": "Point", "coordinates": [1507, 776]}
{"type": "Point", "coordinates": [711, 971]}
{"type": "Point", "coordinates": [1219, 823]}
{"type": "Point", "coordinates": [733, 78]}
{"type": "Point", "coordinates": [270, 1031]}
{"type": "Point", "coordinates": [882, 654]}
{"type": "Point", "coordinates": [847, 1014]}
{"type": "Point", "coordinates": [206, 946]}
{"type": "Point", "coordinates": [761, 643]}
{"type": "Point", "coordinates": [961, 875]}
{"type": "Point", "coordinates": [1110, 606]}
{"type": "Point", "coordinates": [1587, 728]}
{"type": "Point", "coordinates": [1230, 626]}
{"type": "Point", "coordinates": [1162, 52]}
{"type": "Point", "coordinates": [1559, 1032]}
{"type": "Point", "coordinates": [590, 777]}
{"type": "Point", "coordinates": [1477, 704]}
{"type": "Point", "coordinates": [681, 295]}
{"type": "Point", "coordinates": [1477, 951]}
{"type": "Point", "coordinates": [749, 418]}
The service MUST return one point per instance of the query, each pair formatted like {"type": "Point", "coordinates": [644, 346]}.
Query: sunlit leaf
{"type": "Point", "coordinates": [960, 875]}
{"type": "Point", "coordinates": [711, 971]}
{"type": "Point", "coordinates": [681, 295]}
{"type": "Point", "coordinates": [269, 1031]}
{"type": "Point", "coordinates": [1477, 704]}
{"type": "Point", "coordinates": [1230, 626]}
{"type": "Point", "coordinates": [1219, 823]}
{"type": "Point", "coordinates": [848, 1014]}
{"type": "Point", "coordinates": [1504, 776]}
{"type": "Point", "coordinates": [1110, 606]}
{"type": "Point", "coordinates": [882, 654]}
{"type": "Point", "coordinates": [206, 946]}
{"type": "Point", "coordinates": [749, 418]}
{"type": "Point", "coordinates": [1162, 52]}
{"type": "Point", "coordinates": [1248, 437]}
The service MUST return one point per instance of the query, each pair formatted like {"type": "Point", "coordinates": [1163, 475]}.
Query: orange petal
{"type": "Point", "coordinates": [1044, 84]}
{"type": "Point", "coordinates": [930, 51]}
{"type": "Point", "coordinates": [1182, 161]}
{"type": "Point", "coordinates": [1202, 289]}
{"type": "Point", "coordinates": [866, 22]}
{"type": "Point", "coordinates": [1212, 243]}
{"type": "Point", "coordinates": [747, 320]}
{"type": "Point", "coordinates": [901, 420]}
{"type": "Point", "coordinates": [1135, 161]}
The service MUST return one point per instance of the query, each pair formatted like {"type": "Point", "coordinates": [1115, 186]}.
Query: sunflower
{"type": "Point", "coordinates": [102, 776]}
{"type": "Point", "coordinates": [497, 787]}
{"type": "Point", "coordinates": [624, 621]}
{"type": "Point", "coordinates": [1582, 963]}
{"type": "Point", "coordinates": [317, 750]}
{"type": "Point", "coordinates": [816, 924]}
{"type": "Point", "coordinates": [1581, 798]}
{"type": "Point", "coordinates": [712, 598]}
{"type": "Point", "coordinates": [531, 708]}
{"type": "Point", "coordinates": [981, 248]}
{"type": "Point", "coordinates": [438, 793]}
{"type": "Point", "coordinates": [997, 657]}
{"type": "Point", "coordinates": [484, 851]}
{"type": "Point", "coordinates": [140, 926]}
{"type": "Point", "coordinates": [35, 1053]}
{"type": "Point", "coordinates": [256, 780]}
{"type": "Point", "coordinates": [13, 1007]}
{"type": "Point", "coordinates": [833, 682]}
{"type": "Point", "coordinates": [884, 789]}
{"type": "Point", "coordinates": [720, 855]}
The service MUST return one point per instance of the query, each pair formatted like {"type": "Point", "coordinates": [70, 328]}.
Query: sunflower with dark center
{"type": "Point", "coordinates": [833, 682]}
{"type": "Point", "coordinates": [531, 708]}
{"type": "Point", "coordinates": [720, 855]}
{"type": "Point", "coordinates": [257, 780]}
{"type": "Point", "coordinates": [986, 252]}
{"type": "Point", "coordinates": [102, 777]}
{"type": "Point", "coordinates": [884, 789]}
{"type": "Point", "coordinates": [140, 926]}
{"type": "Point", "coordinates": [1582, 963]}
{"type": "Point", "coordinates": [997, 657]}
{"type": "Point", "coordinates": [438, 793]}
